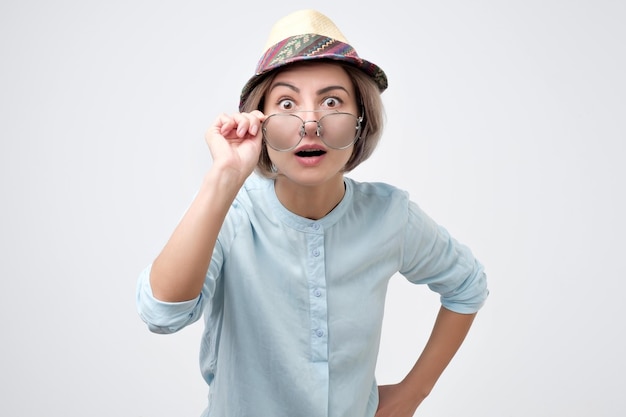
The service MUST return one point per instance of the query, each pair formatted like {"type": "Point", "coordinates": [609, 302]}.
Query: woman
{"type": "Point", "coordinates": [289, 265]}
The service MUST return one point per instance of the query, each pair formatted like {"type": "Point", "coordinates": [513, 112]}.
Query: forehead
{"type": "Point", "coordinates": [314, 75]}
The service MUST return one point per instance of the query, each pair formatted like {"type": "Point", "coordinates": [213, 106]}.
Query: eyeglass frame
{"type": "Point", "coordinates": [359, 120]}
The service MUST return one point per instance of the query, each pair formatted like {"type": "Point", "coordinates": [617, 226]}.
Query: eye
{"type": "Point", "coordinates": [286, 104]}
{"type": "Point", "coordinates": [331, 102]}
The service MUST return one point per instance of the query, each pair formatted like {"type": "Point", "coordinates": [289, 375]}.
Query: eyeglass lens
{"type": "Point", "coordinates": [285, 131]}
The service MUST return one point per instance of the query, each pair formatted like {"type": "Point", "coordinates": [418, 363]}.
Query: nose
{"type": "Point", "coordinates": [310, 128]}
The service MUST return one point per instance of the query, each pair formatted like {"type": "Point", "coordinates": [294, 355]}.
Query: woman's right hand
{"type": "Point", "coordinates": [178, 273]}
{"type": "Point", "coordinates": [235, 142]}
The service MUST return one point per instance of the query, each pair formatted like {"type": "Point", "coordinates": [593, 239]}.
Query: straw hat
{"type": "Point", "coordinates": [308, 35]}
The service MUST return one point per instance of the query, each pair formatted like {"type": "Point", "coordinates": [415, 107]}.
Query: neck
{"type": "Point", "coordinates": [312, 202]}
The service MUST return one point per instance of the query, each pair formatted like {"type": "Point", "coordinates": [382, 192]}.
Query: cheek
{"type": "Point", "coordinates": [272, 154]}
{"type": "Point", "coordinates": [278, 160]}
{"type": "Point", "coordinates": [347, 157]}
{"type": "Point", "coordinates": [345, 154]}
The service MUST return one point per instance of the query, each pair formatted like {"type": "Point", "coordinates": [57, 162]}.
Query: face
{"type": "Point", "coordinates": [311, 91]}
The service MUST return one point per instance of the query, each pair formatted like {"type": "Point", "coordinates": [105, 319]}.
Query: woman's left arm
{"type": "Point", "coordinates": [402, 399]}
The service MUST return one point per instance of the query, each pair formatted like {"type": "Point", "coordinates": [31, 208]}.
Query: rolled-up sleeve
{"type": "Point", "coordinates": [164, 317]}
{"type": "Point", "coordinates": [431, 256]}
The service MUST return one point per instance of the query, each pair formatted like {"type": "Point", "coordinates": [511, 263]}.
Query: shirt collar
{"type": "Point", "coordinates": [302, 223]}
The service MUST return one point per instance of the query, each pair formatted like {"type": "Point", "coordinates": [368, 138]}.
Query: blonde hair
{"type": "Point", "coordinates": [368, 97]}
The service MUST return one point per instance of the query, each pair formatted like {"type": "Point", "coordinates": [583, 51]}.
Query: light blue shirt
{"type": "Point", "coordinates": [293, 307]}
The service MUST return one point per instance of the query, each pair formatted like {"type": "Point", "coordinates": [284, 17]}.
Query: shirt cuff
{"type": "Point", "coordinates": [161, 316]}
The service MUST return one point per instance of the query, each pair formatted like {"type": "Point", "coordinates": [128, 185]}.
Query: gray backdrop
{"type": "Point", "coordinates": [505, 123]}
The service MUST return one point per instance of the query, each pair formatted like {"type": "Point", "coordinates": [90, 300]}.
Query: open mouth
{"type": "Point", "coordinates": [306, 153]}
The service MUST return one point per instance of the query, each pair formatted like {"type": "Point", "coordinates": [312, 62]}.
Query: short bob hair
{"type": "Point", "coordinates": [368, 97]}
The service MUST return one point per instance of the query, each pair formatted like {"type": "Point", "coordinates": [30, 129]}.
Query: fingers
{"type": "Point", "coordinates": [240, 125]}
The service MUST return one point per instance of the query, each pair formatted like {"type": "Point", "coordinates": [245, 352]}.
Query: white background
{"type": "Point", "coordinates": [506, 123]}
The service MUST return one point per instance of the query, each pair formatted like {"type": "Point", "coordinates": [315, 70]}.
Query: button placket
{"type": "Point", "coordinates": [317, 291]}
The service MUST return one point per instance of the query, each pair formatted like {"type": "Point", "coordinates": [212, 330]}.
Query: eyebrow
{"type": "Point", "coordinates": [319, 92]}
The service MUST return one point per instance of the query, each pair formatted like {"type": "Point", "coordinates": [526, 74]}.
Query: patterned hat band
{"type": "Point", "coordinates": [308, 47]}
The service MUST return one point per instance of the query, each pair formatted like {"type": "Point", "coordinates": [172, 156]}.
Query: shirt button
{"type": "Point", "coordinates": [316, 252]}
{"type": "Point", "coordinates": [319, 333]}
{"type": "Point", "coordinates": [317, 293]}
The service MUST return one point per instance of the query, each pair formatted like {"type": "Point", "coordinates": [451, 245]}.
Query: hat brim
{"type": "Point", "coordinates": [310, 47]}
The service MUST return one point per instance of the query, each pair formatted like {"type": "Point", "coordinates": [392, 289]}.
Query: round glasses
{"type": "Point", "coordinates": [284, 131]}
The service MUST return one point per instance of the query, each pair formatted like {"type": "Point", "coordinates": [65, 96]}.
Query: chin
{"type": "Point", "coordinates": [310, 178]}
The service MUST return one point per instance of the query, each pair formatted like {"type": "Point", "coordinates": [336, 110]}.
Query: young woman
{"type": "Point", "coordinates": [289, 265]}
